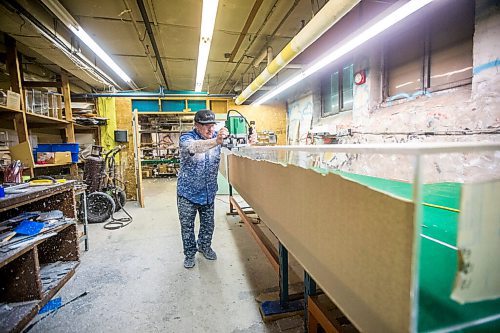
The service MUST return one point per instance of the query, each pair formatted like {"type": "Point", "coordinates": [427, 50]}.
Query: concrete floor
{"type": "Point", "coordinates": [136, 281]}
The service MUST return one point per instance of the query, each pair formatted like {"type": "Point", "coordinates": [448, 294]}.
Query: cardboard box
{"type": "Point", "coordinates": [45, 158]}
{"type": "Point", "coordinates": [58, 157]}
{"type": "Point", "coordinates": [163, 168]}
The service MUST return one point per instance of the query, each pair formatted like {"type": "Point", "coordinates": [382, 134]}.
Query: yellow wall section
{"type": "Point", "coordinates": [119, 114]}
{"type": "Point", "coordinates": [266, 117]}
{"type": "Point", "coordinates": [123, 107]}
{"type": "Point", "coordinates": [106, 107]}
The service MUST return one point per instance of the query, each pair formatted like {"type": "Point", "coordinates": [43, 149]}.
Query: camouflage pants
{"type": "Point", "coordinates": [187, 214]}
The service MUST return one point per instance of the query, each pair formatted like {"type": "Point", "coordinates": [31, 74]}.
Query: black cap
{"type": "Point", "coordinates": [205, 117]}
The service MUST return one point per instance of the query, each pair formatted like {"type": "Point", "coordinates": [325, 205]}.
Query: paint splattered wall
{"type": "Point", "coordinates": [466, 113]}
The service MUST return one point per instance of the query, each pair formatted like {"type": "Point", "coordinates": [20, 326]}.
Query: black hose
{"type": "Point", "coordinates": [118, 223]}
{"type": "Point", "coordinates": [115, 223]}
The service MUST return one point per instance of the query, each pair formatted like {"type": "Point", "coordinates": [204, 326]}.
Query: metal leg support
{"type": "Point", "coordinates": [85, 221]}
{"type": "Point", "coordinates": [232, 210]}
{"type": "Point", "coordinates": [309, 290]}
{"type": "Point", "coordinates": [283, 278]}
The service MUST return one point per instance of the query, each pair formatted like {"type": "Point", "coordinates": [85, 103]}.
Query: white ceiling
{"type": "Point", "coordinates": [176, 28]}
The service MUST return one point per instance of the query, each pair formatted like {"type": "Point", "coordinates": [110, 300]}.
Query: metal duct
{"type": "Point", "coordinates": [330, 14]}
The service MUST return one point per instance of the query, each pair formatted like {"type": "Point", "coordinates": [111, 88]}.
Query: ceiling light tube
{"type": "Point", "coordinates": [349, 44]}
{"type": "Point", "coordinates": [68, 20]}
{"type": "Point", "coordinates": [208, 16]}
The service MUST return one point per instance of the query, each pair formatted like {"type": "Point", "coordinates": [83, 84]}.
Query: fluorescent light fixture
{"type": "Point", "coordinates": [207, 29]}
{"type": "Point", "coordinates": [84, 37]}
{"type": "Point", "coordinates": [70, 22]}
{"type": "Point", "coordinates": [340, 50]}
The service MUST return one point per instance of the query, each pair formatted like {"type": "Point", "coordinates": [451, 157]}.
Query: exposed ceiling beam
{"type": "Point", "coordinates": [145, 18]}
{"type": "Point", "coordinates": [247, 25]}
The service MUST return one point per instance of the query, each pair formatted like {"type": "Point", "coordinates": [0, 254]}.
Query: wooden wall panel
{"type": "Point", "coordinates": [266, 117]}
{"type": "Point", "coordinates": [354, 241]}
{"type": "Point", "coordinates": [124, 115]}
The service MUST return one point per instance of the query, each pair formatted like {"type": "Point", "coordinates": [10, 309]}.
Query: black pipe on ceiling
{"type": "Point", "coordinates": [145, 18]}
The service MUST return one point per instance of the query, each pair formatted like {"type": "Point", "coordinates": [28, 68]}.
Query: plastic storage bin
{"type": "Point", "coordinates": [74, 148]}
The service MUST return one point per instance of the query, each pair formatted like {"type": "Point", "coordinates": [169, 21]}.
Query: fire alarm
{"type": "Point", "coordinates": [360, 77]}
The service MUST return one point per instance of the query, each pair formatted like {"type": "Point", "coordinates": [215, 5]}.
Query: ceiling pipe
{"type": "Point", "coordinates": [330, 14]}
{"type": "Point", "coordinates": [146, 51]}
{"type": "Point", "coordinates": [283, 19]}
{"type": "Point", "coordinates": [145, 18]}
{"type": "Point", "coordinates": [268, 52]}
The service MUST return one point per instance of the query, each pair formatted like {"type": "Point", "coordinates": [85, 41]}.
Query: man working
{"type": "Point", "coordinates": [197, 184]}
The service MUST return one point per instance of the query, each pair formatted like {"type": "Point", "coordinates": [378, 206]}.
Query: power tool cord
{"type": "Point", "coordinates": [116, 223]}
{"type": "Point", "coordinates": [238, 112]}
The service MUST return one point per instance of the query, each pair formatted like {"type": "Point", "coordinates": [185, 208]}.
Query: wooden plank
{"type": "Point", "coordinates": [39, 166]}
{"type": "Point", "coordinates": [138, 166]}
{"type": "Point", "coordinates": [37, 119]}
{"type": "Point", "coordinates": [16, 318]}
{"type": "Point", "coordinates": [41, 84]}
{"type": "Point", "coordinates": [316, 315]}
{"type": "Point", "coordinates": [23, 315]}
{"type": "Point", "coordinates": [13, 67]}
{"type": "Point", "coordinates": [35, 193]}
{"type": "Point", "coordinates": [333, 227]}
{"type": "Point", "coordinates": [66, 91]}
{"type": "Point", "coordinates": [9, 110]}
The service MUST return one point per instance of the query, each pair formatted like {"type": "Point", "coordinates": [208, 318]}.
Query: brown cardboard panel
{"type": "Point", "coordinates": [124, 121]}
{"type": "Point", "coordinates": [478, 276]}
{"type": "Point", "coordinates": [22, 152]}
{"type": "Point", "coordinates": [354, 241]}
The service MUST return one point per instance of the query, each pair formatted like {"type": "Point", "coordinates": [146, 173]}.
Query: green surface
{"type": "Point", "coordinates": [161, 161]}
{"type": "Point", "coordinates": [236, 125]}
{"type": "Point", "coordinates": [438, 263]}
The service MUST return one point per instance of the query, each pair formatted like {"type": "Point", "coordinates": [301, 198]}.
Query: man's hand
{"type": "Point", "coordinates": [223, 133]}
{"type": "Point", "coordinates": [252, 139]}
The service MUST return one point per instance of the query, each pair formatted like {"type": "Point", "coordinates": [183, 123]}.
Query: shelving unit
{"type": "Point", "coordinates": [32, 273]}
{"type": "Point", "coordinates": [25, 121]}
{"type": "Point", "coordinates": [4, 109]}
{"type": "Point", "coordinates": [34, 119]}
{"type": "Point", "coordinates": [159, 139]}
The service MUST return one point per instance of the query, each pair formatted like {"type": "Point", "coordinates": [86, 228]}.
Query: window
{"type": "Point", "coordinates": [337, 91]}
{"type": "Point", "coordinates": [425, 57]}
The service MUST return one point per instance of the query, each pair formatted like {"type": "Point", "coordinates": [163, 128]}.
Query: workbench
{"type": "Point", "coordinates": [34, 271]}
